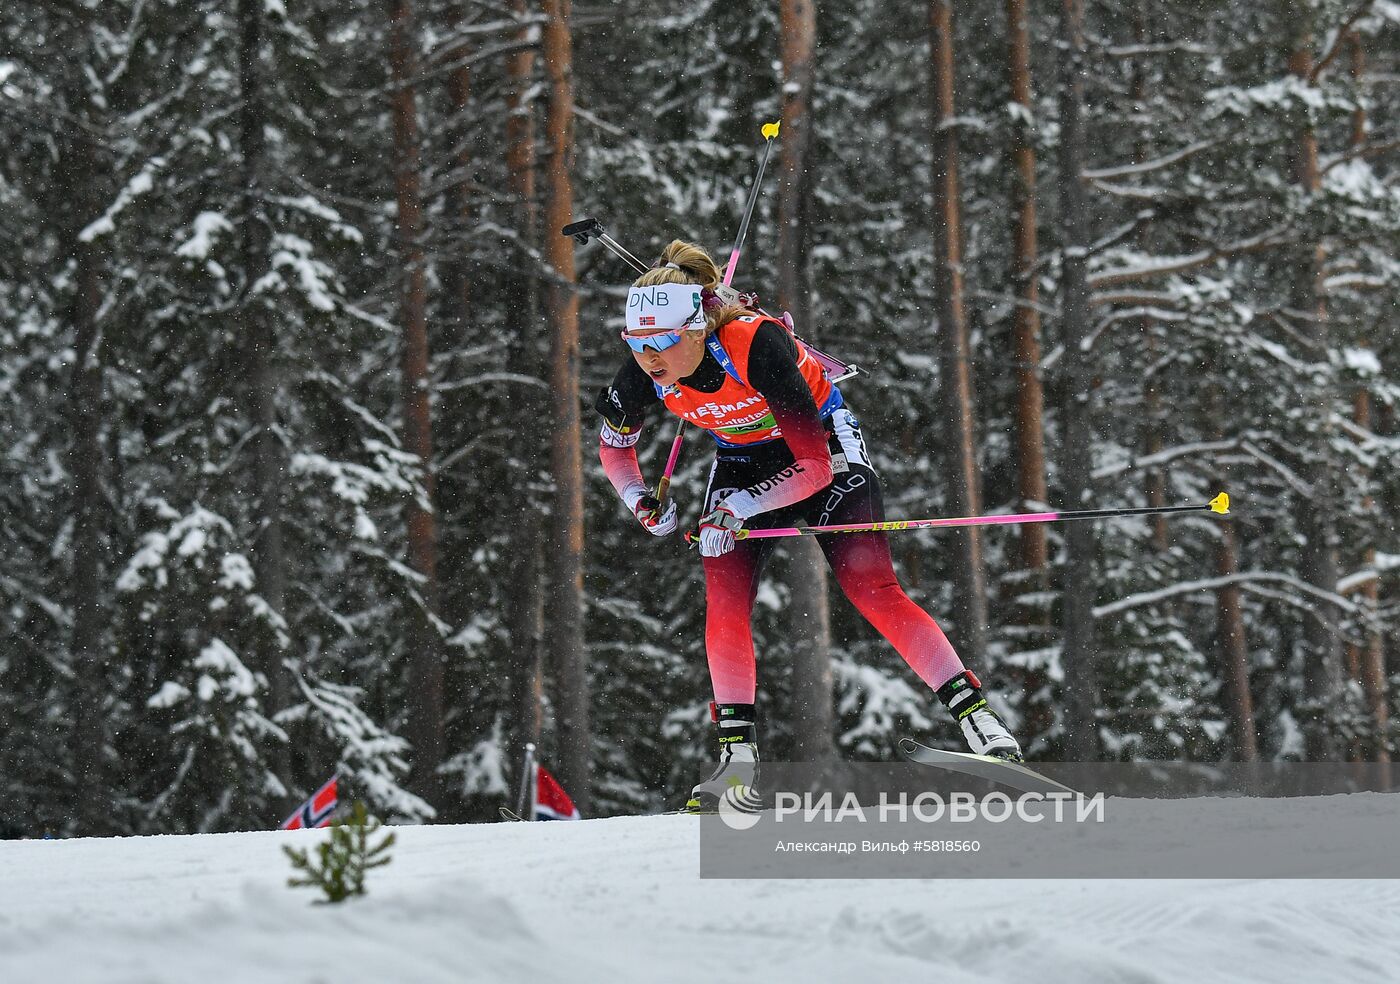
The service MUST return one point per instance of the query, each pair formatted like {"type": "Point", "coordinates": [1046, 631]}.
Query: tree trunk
{"type": "Point", "coordinates": [527, 618]}
{"type": "Point", "coordinates": [811, 717]}
{"type": "Point", "coordinates": [1152, 444]}
{"type": "Point", "coordinates": [1234, 653]}
{"type": "Point", "coordinates": [970, 604]}
{"type": "Point", "coordinates": [1322, 632]}
{"type": "Point", "coordinates": [1232, 662]}
{"type": "Point", "coordinates": [799, 28]}
{"type": "Point", "coordinates": [425, 712]}
{"type": "Point", "coordinates": [565, 548]}
{"type": "Point", "coordinates": [1370, 657]}
{"type": "Point", "coordinates": [460, 91]}
{"type": "Point", "coordinates": [260, 357]}
{"type": "Point", "coordinates": [1030, 399]}
{"type": "Point", "coordinates": [1034, 555]}
{"type": "Point", "coordinates": [90, 754]}
{"type": "Point", "coordinates": [1080, 577]}
{"type": "Point", "coordinates": [1154, 417]}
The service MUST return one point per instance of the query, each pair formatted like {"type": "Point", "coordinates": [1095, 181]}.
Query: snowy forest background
{"type": "Point", "coordinates": [297, 464]}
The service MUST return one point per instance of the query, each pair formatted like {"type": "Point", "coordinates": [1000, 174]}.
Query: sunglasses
{"type": "Point", "coordinates": [658, 342]}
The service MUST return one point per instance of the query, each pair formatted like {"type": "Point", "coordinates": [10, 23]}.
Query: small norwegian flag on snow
{"type": "Point", "coordinates": [317, 811]}
{"type": "Point", "coordinates": [551, 802]}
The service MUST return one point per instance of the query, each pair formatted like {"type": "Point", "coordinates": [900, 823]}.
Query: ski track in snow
{"type": "Point", "coordinates": [619, 900]}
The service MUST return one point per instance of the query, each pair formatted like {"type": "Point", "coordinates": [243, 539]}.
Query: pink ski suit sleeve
{"type": "Point", "coordinates": [620, 465]}
{"type": "Point", "coordinates": [623, 406]}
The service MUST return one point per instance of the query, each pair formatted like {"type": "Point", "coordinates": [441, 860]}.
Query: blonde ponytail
{"type": "Point", "coordinates": [687, 263]}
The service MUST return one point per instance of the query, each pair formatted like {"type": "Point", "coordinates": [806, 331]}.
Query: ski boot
{"type": "Point", "coordinates": [983, 730]}
{"type": "Point", "coordinates": [738, 756]}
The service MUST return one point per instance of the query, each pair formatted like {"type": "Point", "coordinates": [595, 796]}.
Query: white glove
{"type": "Point", "coordinates": [656, 519]}
{"type": "Point", "coordinates": [717, 530]}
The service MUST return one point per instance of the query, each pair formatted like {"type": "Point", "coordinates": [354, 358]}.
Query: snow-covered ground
{"type": "Point", "coordinates": [619, 900]}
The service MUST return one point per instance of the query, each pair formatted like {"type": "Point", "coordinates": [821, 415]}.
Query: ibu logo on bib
{"type": "Point", "coordinates": [665, 307]}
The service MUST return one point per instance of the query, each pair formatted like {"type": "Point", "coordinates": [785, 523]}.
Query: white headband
{"type": "Point", "coordinates": [665, 307]}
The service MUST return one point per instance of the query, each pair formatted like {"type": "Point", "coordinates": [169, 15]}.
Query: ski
{"type": "Point", "coordinates": [983, 767]}
{"type": "Point", "coordinates": [509, 814]}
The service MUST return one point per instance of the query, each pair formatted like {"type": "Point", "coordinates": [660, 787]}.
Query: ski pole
{"type": "Point", "coordinates": [1220, 504]}
{"type": "Point", "coordinates": [664, 485]}
{"type": "Point", "coordinates": [589, 228]}
{"type": "Point", "coordinates": [769, 131]}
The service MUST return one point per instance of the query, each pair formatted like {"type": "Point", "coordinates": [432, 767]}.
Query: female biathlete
{"type": "Point", "coordinates": [789, 451]}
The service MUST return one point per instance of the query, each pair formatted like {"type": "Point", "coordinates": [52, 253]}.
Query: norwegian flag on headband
{"type": "Point", "coordinates": [551, 802]}
{"type": "Point", "coordinates": [317, 811]}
